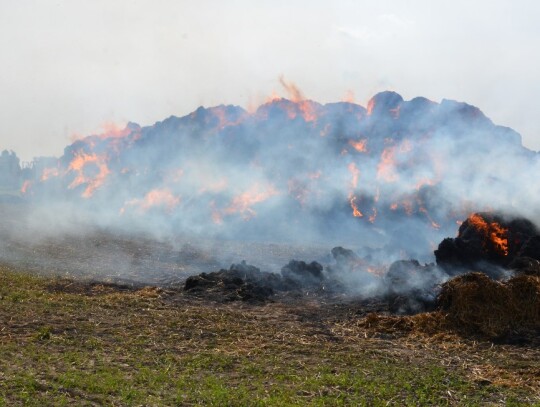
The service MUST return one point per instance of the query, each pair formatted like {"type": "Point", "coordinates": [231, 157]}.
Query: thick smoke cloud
{"type": "Point", "coordinates": [389, 180]}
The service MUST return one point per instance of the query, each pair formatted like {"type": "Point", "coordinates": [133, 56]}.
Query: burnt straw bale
{"type": "Point", "coordinates": [487, 239]}
{"type": "Point", "coordinates": [300, 273]}
{"type": "Point", "coordinates": [342, 254]}
{"type": "Point", "coordinates": [241, 282]}
{"type": "Point", "coordinates": [346, 261]}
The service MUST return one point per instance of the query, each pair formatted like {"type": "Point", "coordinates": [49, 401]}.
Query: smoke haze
{"type": "Point", "coordinates": [393, 177]}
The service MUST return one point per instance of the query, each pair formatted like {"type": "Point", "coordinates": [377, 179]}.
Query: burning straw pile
{"type": "Point", "coordinates": [477, 302]}
{"type": "Point", "coordinates": [474, 302]}
{"type": "Point", "coordinates": [482, 303]}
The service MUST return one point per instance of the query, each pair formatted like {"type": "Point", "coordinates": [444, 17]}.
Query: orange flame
{"type": "Point", "coordinates": [386, 167]}
{"type": "Point", "coordinates": [377, 270]}
{"type": "Point", "coordinates": [359, 145]}
{"type": "Point", "coordinates": [49, 172]}
{"type": "Point", "coordinates": [355, 174]}
{"type": "Point", "coordinates": [370, 106]}
{"type": "Point", "coordinates": [108, 130]}
{"type": "Point", "coordinates": [373, 215]}
{"type": "Point", "coordinates": [223, 121]}
{"type": "Point", "coordinates": [159, 197]}
{"type": "Point", "coordinates": [308, 111]}
{"type": "Point", "coordinates": [26, 184]}
{"type": "Point", "coordinates": [295, 94]}
{"type": "Point", "coordinates": [242, 203]}
{"type": "Point", "coordinates": [306, 107]}
{"type": "Point", "coordinates": [494, 232]}
{"type": "Point", "coordinates": [408, 206]}
{"type": "Point", "coordinates": [112, 130]}
{"type": "Point", "coordinates": [434, 224]}
{"type": "Point", "coordinates": [77, 165]}
{"type": "Point", "coordinates": [354, 206]}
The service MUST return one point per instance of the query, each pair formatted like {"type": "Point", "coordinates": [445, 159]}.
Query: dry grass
{"type": "Point", "coordinates": [434, 339]}
{"type": "Point", "coordinates": [65, 342]}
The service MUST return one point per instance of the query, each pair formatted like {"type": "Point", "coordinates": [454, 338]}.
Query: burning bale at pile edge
{"type": "Point", "coordinates": [491, 243]}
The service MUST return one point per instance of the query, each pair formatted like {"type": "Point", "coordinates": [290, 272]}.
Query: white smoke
{"type": "Point", "coordinates": [293, 172]}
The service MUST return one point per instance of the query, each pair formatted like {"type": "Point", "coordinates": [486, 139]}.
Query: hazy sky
{"type": "Point", "coordinates": [69, 67]}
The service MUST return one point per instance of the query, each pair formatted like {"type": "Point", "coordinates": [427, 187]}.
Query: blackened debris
{"type": "Point", "coordinates": [342, 254]}
{"type": "Point", "coordinates": [301, 274]}
{"type": "Point", "coordinates": [411, 287]}
{"type": "Point", "coordinates": [248, 283]}
{"type": "Point", "coordinates": [241, 282]}
{"type": "Point", "coordinates": [346, 261]}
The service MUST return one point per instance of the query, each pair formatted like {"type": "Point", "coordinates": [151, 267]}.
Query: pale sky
{"type": "Point", "coordinates": [68, 68]}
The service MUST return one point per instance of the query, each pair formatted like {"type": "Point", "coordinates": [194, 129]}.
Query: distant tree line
{"type": "Point", "coordinates": [13, 174]}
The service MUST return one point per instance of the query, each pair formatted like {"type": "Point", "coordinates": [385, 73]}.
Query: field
{"type": "Point", "coordinates": [64, 342]}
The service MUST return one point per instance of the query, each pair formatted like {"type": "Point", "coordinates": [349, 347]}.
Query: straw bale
{"type": "Point", "coordinates": [475, 303]}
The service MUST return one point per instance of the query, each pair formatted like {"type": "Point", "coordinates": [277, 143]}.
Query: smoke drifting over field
{"type": "Point", "coordinates": [389, 180]}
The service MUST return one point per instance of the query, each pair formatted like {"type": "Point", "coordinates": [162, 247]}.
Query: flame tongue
{"type": "Point", "coordinates": [354, 206]}
{"type": "Point", "coordinates": [355, 174]}
{"type": "Point", "coordinates": [492, 232]}
{"type": "Point", "coordinates": [77, 166]}
{"type": "Point", "coordinates": [306, 108]}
